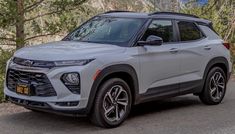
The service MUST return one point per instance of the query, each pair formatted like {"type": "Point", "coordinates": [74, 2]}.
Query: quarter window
{"type": "Point", "coordinates": [189, 31]}
{"type": "Point", "coordinates": [160, 28]}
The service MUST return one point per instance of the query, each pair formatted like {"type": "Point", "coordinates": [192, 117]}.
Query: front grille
{"type": "Point", "coordinates": [33, 63]}
{"type": "Point", "coordinates": [38, 82]}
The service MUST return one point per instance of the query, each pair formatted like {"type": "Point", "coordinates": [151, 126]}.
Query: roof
{"type": "Point", "coordinates": [127, 14]}
{"type": "Point", "coordinates": [165, 15]}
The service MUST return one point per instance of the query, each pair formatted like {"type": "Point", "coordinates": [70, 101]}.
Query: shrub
{"type": "Point", "coordinates": [5, 55]}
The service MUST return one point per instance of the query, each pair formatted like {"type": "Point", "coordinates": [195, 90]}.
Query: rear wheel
{"type": "Point", "coordinates": [214, 88]}
{"type": "Point", "coordinates": [112, 104]}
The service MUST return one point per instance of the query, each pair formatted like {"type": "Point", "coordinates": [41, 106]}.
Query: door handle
{"type": "Point", "coordinates": [174, 50]}
{"type": "Point", "coordinates": [207, 47]}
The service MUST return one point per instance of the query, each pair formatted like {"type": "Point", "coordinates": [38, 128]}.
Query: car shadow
{"type": "Point", "coordinates": [56, 123]}
{"type": "Point", "coordinates": [164, 105]}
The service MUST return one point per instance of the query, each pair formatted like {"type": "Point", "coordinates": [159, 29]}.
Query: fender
{"type": "Point", "coordinates": [211, 63]}
{"type": "Point", "coordinates": [216, 60]}
{"type": "Point", "coordinates": [125, 68]}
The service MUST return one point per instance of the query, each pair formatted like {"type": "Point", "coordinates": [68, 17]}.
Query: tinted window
{"type": "Point", "coordinates": [189, 31]}
{"type": "Point", "coordinates": [160, 28]}
{"type": "Point", "coordinates": [116, 31]}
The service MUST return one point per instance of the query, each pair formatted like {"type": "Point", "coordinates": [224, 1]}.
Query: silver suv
{"type": "Point", "coordinates": [119, 59]}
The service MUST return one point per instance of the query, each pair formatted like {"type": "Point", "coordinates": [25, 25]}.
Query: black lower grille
{"type": "Point", "coordinates": [27, 102]}
{"type": "Point", "coordinates": [38, 82]}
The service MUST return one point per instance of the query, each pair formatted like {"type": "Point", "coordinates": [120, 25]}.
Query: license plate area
{"type": "Point", "coordinates": [23, 89]}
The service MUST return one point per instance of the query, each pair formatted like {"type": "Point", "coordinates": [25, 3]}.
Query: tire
{"type": "Point", "coordinates": [214, 87]}
{"type": "Point", "coordinates": [112, 95]}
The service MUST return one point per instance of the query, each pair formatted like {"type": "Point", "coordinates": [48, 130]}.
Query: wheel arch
{"type": "Point", "coordinates": [215, 62]}
{"type": "Point", "coordinates": [123, 71]}
{"type": "Point", "coordinates": [219, 62]}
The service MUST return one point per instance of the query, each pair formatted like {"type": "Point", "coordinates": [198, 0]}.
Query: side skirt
{"type": "Point", "coordinates": [163, 92]}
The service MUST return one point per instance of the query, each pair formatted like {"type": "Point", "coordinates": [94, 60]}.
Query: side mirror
{"type": "Point", "coordinates": [151, 40]}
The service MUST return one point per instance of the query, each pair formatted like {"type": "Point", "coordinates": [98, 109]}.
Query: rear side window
{"type": "Point", "coordinates": [209, 32]}
{"type": "Point", "coordinates": [189, 31]}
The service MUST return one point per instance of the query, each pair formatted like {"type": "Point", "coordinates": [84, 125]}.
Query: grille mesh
{"type": "Point", "coordinates": [39, 83]}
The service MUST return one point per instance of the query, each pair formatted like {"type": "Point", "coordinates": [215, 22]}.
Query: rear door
{"type": "Point", "coordinates": [194, 54]}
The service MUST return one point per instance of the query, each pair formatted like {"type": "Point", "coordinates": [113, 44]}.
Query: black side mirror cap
{"type": "Point", "coordinates": [151, 40]}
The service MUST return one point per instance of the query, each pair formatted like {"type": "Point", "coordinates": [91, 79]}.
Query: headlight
{"type": "Point", "coordinates": [73, 62]}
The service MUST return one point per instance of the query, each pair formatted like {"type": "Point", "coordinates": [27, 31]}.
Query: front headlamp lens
{"type": "Point", "coordinates": [73, 62]}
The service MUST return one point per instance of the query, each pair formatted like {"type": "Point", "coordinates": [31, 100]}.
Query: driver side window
{"type": "Point", "coordinates": [160, 28]}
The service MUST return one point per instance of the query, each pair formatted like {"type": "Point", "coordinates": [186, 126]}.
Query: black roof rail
{"type": "Point", "coordinates": [115, 11]}
{"type": "Point", "coordinates": [173, 13]}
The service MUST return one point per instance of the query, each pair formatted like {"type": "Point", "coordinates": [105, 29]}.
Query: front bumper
{"type": "Point", "coordinates": [45, 107]}
{"type": "Point", "coordinates": [64, 101]}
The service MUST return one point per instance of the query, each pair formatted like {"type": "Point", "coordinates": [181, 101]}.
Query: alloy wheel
{"type": "Point", "coordinates": [115, 103]}
{"type": "Point", "coordinates": [217, 86]}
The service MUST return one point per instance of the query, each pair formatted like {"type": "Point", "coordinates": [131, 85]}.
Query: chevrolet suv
{"type": "Point", "coordinates": [119, 59]}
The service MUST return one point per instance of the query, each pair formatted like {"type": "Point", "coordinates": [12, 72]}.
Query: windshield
{"type": "Point", "coordinates": [117, 31]}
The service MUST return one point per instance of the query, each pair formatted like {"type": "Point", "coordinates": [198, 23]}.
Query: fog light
{"type": "Point", "coordinates": [71, 78]}
{"type": "Point", "coordinates": [72, 82]}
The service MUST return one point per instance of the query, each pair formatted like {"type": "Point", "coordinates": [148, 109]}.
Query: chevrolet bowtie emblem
{"type": "Point", "coordinates": [28, 63]}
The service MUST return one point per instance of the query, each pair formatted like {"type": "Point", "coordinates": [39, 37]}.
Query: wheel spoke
{"type": "Point", "coordinates": [213, 80]}
{"type": "Point", "coordinates": [110, 97]}
{"type": "Point", "coordinates": [221, 85]}
{"type": "Point", "coordinates": [122, 103]}
{"type": "Point", "coordinates": [116, 89]}
{"type": "Point", "coordinates": [107, 112]}
{"type": "Point", "coordinates": [117, 113]}
{"type": "Point", "coordinates": [213, 90]}
{"type": "Point", "coordinates": [118, 93]}
{"type": "Point", "coordinates": [217, 93]}
{"type": "Point", "coordinates": [219, 77]}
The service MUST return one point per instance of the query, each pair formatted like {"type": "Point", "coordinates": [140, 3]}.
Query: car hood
{"type": "Point", "coordinates": [67, 50]}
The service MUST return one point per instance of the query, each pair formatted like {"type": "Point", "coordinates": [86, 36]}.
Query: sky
{"type": "Point", "coordinates": [200, 2]}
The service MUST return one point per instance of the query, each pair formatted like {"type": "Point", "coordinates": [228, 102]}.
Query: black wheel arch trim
{"type": "Point", "coordinates": [118, 68]}
{"type": "Point", "coordinates": [211, 63]}
{"type": "Point", "coordinates": [214, 61]}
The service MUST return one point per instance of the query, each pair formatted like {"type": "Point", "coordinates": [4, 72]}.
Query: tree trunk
{"type": "Point", "coordinates": [20, 35]}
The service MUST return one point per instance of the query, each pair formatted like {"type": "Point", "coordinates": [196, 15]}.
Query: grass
{"type": "Point", "coordinates": [1, 96]}
{"type": "Point", "coordinates": [5, 55]}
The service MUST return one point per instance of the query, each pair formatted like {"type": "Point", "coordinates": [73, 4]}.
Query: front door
{"type": "Point", "coordinates": [159, 65]}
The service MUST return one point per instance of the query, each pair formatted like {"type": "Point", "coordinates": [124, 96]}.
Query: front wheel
{"type": "Point", "coordinates": [112, 104]}
{"type": "Point", "coordinates": [214, 88]}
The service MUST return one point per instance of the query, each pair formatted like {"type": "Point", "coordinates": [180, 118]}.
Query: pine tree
{"type": "Point", "coordinates": [24, 20]}
{"type": "Point", "coordinates": [220, 12]}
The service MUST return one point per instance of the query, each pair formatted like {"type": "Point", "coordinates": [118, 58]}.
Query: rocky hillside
{"type": "Point", "coordinates": [131, 5]}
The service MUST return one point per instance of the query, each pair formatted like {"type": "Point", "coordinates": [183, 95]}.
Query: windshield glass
{"type": "Point", "coordinates": [108, 30]}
